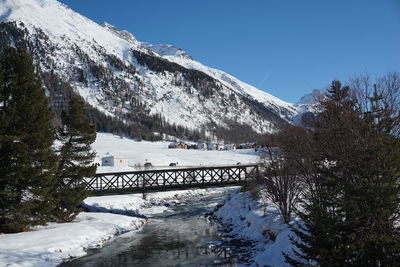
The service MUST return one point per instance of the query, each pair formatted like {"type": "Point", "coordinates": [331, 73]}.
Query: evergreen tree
{"type": "Point", "coordinates": [76, 160]}
{"type": "Point", "coordinates": [351, 206]}
{"type": "Point", "coordinates": [27, 161]}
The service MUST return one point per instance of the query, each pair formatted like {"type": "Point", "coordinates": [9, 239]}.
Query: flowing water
{"type": "Point", "coordinates": [181, 237]}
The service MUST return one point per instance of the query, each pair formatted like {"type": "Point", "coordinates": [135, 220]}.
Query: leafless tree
{"type": "Point", "coordinates": [282, 185]}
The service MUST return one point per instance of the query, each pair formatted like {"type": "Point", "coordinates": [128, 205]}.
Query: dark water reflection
{"type": "Point", "coordinates": [181, 238]}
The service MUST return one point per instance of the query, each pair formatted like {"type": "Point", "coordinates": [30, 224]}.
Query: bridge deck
{"type": "Point", "coordinates": [170, 179]}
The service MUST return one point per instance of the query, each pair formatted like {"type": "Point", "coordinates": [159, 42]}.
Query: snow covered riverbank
{"type": "Point", "coordinates": [49, 245]}
{"type": "Point", "coordinates": [108, 217]}
{"type": "Point", "coordinates": [248, 219]}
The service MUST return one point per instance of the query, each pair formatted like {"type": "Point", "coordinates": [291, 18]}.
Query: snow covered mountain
{"type": "Point", "coordinates": [122, 77]}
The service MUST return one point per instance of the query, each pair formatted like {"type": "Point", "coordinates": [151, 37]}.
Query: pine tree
{"type": "Point", "coordinates": [351, 208]}
{"type": "Point", "coordinates": [377, 191]}
{"type": "Point", "coordinates": [27, 161]}
{"type": "Point", "coordinates": [76, 160]}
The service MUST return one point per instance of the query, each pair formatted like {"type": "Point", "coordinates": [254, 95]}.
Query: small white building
{"type": "Point", "coordinates": [220, 147]}
{"type": "Point", "coordinates": [111, 160]}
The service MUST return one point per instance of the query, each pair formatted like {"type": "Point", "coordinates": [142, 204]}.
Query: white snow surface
{"type": "Point", "coordinates": [59, 21]}
{"type": "Point", "coordinates": [49, 245]}
{"type": "Point", "coordinates": [256, 221]}
{"type": "Point", "coordinates": [138, 153]}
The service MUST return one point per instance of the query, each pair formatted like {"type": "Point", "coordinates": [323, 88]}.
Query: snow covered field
{"type": "Point", "coordinates": [138, 153]}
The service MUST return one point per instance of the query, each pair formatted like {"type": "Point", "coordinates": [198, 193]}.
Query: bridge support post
{"type": "Point", "coordinates": [257, 173]}
{"type": "Point", "coordinates": [144, 195]}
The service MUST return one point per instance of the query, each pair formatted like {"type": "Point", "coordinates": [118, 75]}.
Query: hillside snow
{"type": "Point", "coordinates": [119, 75]}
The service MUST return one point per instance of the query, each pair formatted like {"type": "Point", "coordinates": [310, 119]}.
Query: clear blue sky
{"type": "Point", "coordinates": [285, 47]}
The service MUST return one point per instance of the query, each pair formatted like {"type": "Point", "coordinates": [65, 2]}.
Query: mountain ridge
{"type": "Point", "coordinates": [117, 74]}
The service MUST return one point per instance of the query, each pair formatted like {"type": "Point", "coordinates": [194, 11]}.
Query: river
{"type": "Point", "coordinates": [182, 236]}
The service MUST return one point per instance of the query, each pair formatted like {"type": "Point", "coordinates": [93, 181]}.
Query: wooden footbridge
{"type": "Point", "coordinates": [170, 179]}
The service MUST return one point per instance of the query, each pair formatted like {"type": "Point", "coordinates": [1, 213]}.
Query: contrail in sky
{"type": "Point", "coordinates": [263, 80]}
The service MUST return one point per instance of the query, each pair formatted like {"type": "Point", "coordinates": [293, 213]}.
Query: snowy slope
{"type": "Point", "coordinates": [168, 52]}
{"type": "Point", "coordinates": [117, 74]}
{"type": "Point", "coordinates": [61, 23]}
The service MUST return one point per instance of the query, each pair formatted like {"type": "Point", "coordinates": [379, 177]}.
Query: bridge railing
{"type": "Point", "coordinates": [164, 179]}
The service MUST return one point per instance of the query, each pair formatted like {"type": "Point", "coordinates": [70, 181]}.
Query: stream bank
{"type": "Point", "coordinates": [241, 232]}
{"type": "Point", "coordinates": [258, 223]}
{"type": "Point", "coordinates": [180, 235]}
{"type": "Point", "coordinates": [108, 217]}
